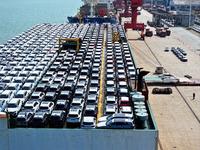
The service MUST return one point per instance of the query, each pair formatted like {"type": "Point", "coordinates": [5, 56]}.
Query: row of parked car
{"type": "Point", "coordinates": [118, 111]}
{"type": "Point", "coordinates": [24, 60]}
{"type": "Point", "coordinates": [180, 53]}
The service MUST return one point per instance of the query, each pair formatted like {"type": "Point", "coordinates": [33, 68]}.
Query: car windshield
{"type": "Point", "coordinates": [12, 105]}
{"type": "Point", "coordinates": [37, 119]}
{"type": "Point", "coordinates": [55, 117]}
{"type": "Point", "coordinates": [19, 96]}
{"type": "Point", "coordinates": [73, 115]}
{"type": "Point", "coordinates": [28, 107]}
{"type": "Point", "coordinates": [3, 96]}
{"type": "Point", "coordinates": [88, 123]}
{"type": "Point", "coordinates": [44, 107]}
{"type": "Point", "coordinates": [21, 119]}
{"type": "Point", "coordinates": [26, 88]}
{"type": "Point", "coordinates": [60, 106]}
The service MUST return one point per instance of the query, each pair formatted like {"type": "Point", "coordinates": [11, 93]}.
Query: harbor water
{"type": "Point", "coordinates": [17, 16]}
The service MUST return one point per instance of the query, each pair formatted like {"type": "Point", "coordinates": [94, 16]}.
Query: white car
{"type": "Point", "coordinates": [74, 115]}
{"type": "Point", "coordinates": [7, 95]}
{"type": "Point", "coordinates": [31, 106]}
{"type": "Point", "coordinates": [169, 78]}
{"type": "Point", "coordinates": [22, 95]}
{"type": "Point", "coordinates": [14, 107]}
{"type": "Point", "coordinates": [88, 122]}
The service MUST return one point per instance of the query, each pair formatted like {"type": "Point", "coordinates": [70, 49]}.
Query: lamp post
{"type": "Point", "coordinates": [190, 14]}
{"type": "Point", "coordinates": [151, 5]}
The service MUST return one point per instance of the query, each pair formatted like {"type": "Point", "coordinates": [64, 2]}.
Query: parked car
{"type": "Point", "coordinates": [13, 87]}
{"type": "Point", "coordinates": [3, 87]}
{"type": "Point", "coordinates": [91, 110]}
{"type": "Point", "coordinates": [92, 99]}
{"type": "Point", "coordinates": [126, 110]}
{"type": "Point", "coordinates": [62, 104]}
{"type": "Point", "coordinates": [116, 115]}
{"type": "Point", "coordinates": [31, 106]}
{"type": "Point", "coordinates": [66, 95]}
{"type": "Point", "coordinates": [74, 116]}
{"type": "Point", "coordinates": [111, 100]}
{"type": "Point", "coordinates": [42, 87]}
{"type": "Point", "coordinates": [69, 86]}
{"type": "Point", "coordinates": [59, 80]}
{"type": "Point", "coordinates": [110, 109]}
{"type": "Point", "coordinates": [24, 119]}
{"type": "Point", "coordinates": [79, 93]}
{"type": "Point", "coordinates": [88, 122]}
{"type": "Point", "coordinates": [28, 87]}
{"type": "Point", "coordinates": [3, 104]}
{"type": "Point", "coordinates": [40, 119]}
{"type": "Point", "coordinates": [123, 92]}
{"type": "Point", "coordinates": [51, 96]}
{"type": "Point", "coordinates": [55, 88]}
{"type": "Point", "coordinates": [117, 123]}
{"type": "Point", "coordinates": [79, 102]}
{"type": "Point", "coordinates": [14, 107]}
{"type": "Point", "coordinates": [124, 101]}
{"type": "Point", "coordinates": [111, 91]}
{"type": "Point", "coordinates": [38, 95]}
{"type": "Point", "coordinates": [23, 95]}
{"type": "Point", "coordinates": [166, 49]}
{"type": "Point", "coordinates": [7, 95]}
{"type": "Point", "coordinates": [57, 119]}
{"type": "Point", "coordinates": [46, 106]}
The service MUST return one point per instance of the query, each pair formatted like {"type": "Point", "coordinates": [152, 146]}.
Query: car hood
{"type": "Point", "coordinates": [101, 125]}
{"type": "Point", "coordinates": [102, 119]}
{"type": "Point", "coordinates": [12, 109]}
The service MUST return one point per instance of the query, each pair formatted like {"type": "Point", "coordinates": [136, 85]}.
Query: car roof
{"type": "Point", "coordinates": [88, 119]}
{"type": "Point", "coordinates": [126, 109]}
{"type": "Point", "coordinates": [56, 112]}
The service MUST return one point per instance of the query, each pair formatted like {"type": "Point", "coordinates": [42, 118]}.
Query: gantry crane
{"type": "Point", "coordinates": [126, 12]}
{"type": "Point", "coordinates": [133, 24]}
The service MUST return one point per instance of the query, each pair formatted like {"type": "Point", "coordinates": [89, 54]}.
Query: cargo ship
{"type": "Point", "coordinates": [74, 86]}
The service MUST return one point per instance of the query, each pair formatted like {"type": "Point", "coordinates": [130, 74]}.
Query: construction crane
{"type": "Point", "coordinates": [134, 4]}
{"type": "Point", "coordinates": [92, 4]}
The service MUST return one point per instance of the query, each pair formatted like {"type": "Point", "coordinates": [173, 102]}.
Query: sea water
{"type": "Point", "coordinates": [17, 16]}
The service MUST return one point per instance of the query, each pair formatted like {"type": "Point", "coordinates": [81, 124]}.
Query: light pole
{"type": "Point", "coordinates": [151, 5]}
{"type": "Point", "coordinates": [190, 14]}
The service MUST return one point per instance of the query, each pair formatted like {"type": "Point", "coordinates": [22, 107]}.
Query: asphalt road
{"type": "Point", "coordinates": [177, 115]}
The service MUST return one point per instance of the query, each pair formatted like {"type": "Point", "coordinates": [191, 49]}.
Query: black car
{"type": "Point", "coordinates": [40, 119]}
{"type": "Point", "coordinates": [69, 86]}
{"type": "Point", "coordinates": [42, 87]}
{"type": "Point", "coordinates": [57, 119]}
{"type": "Point", "coordinates": [38, 95]}
{"type": "Point", "coordinates": [54, 68]}
{"type": "Point", "coordinates": [24, 119]}
{"type": "Point", "coordinates": [91, 110]}
{"type": "Point", "coordinates": [51, 96]}
{"type": "Point", "coordinates": [55, 88]}
{"type": "Point", "coordinates": [62, 104]}
{"type": "Point", "coordinates": [66, 95]}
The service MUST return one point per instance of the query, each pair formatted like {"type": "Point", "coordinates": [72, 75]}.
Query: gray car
{"type": "Point", "coordinates": [116, 115]}
{"type": "Point", "coordinates": [117, 123]}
